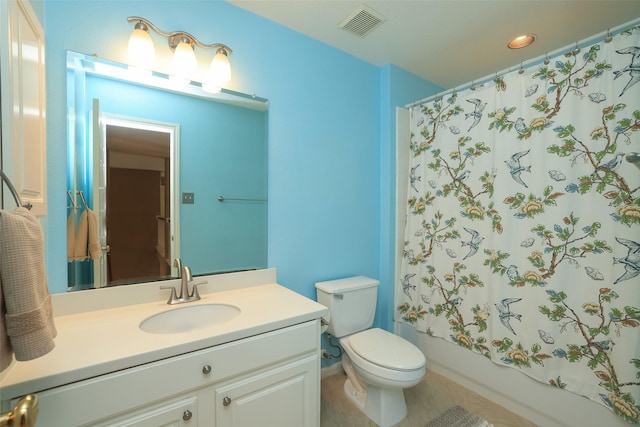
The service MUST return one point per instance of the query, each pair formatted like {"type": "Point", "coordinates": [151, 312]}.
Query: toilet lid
{"type": "Point", "coordinates": [386, 349]}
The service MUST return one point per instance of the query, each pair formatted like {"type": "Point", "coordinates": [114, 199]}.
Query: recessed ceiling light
{"type": "Point", "coordinates": [521, 41]}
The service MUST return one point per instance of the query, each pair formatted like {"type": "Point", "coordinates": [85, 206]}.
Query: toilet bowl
{"type": "Point", "coordinates": [379, 365]}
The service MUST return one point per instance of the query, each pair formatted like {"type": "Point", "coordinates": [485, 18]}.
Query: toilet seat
{"type": "Point", "coordinates": [381, 375]}
{"type": "Point", "coordinates": [387, 350]}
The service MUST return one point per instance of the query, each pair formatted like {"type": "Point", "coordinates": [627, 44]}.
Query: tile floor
{"type": "Point", "coordinates": [434, 395]}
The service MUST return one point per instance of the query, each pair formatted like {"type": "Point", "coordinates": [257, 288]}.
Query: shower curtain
{"type": "Point", "coordinates": [522, 239]}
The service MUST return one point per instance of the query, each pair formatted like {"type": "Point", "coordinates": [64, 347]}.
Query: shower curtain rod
{"type": "Point", "coordinates": [578, 44]}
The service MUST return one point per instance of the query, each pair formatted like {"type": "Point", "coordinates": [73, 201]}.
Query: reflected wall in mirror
{"type": "Point", "coordinates": [217, 148]}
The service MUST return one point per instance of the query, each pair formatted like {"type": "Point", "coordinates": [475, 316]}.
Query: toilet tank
{"type": "Point", "coordinates": [351, 302]}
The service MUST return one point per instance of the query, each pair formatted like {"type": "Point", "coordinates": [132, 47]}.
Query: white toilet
{"type": "Point", "coordinates": [379, 364]}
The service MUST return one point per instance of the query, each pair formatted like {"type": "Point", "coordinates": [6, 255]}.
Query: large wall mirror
{"type": "Point", "coordinates": [158, 172]}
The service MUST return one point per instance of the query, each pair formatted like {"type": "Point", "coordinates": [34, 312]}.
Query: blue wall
{"type": "Point", "coordinates": [331, 133]}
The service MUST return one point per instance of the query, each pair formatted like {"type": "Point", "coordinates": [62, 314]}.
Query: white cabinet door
{"type": "Point", "coordinates": [286, 396]}
{"type": "Point", "coordinates": [23, 103]}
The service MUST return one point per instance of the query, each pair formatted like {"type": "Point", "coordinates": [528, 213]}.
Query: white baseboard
{"type": "Point", "coordinates": [490, 393]}
{"type": "Point", "coordinates": [336, 368]}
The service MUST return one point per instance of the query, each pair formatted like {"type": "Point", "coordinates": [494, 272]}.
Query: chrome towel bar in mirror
{"type": "Point", "coordinates": [222, 199]}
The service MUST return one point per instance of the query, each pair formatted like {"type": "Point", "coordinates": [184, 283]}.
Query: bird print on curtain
{"type": "Point", "coordinates": [522, 239]}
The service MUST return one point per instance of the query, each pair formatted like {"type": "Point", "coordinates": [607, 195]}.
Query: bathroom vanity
{"type": "Point", "coordinates": [260, 367]}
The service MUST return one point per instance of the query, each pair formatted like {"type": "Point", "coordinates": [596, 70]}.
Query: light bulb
{"type": "Point", "coordinates": [220, 71]}
{"type": "Point", "coordinates": [141, 50]}
{"type": "Point", "coordinates": [184, 61]}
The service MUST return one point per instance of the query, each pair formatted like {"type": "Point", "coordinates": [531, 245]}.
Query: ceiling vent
{"type": "Point", "coordinates": [362, 21]}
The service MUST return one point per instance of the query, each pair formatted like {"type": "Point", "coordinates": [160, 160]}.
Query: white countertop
{"type": "Point", "coordinates": [100, 341]}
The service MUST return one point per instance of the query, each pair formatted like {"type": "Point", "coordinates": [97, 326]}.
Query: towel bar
{"type": "Point", "coordinates": [222, 199]}
{"type": "Point", "coordinates": [84, 201]}
{"type": "Point", "coordinates": [73, 203]}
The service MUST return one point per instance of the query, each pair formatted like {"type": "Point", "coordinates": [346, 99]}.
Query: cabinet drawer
{"type": "Point", "coordinates": [256, 352]}
{"type": "Point", "coordinates": [179, 412]}
{"type": "Point", "coordinates": [115, 393]}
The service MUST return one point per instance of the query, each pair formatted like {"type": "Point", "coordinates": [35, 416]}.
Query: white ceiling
{"type": "Point", "coordinates": [450, 42]}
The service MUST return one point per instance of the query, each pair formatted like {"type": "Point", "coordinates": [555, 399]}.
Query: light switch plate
{"type": "Point", "coordinates": [188, 198]}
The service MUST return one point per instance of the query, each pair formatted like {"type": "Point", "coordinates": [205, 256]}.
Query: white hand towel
{"type": "Point", "coordinates": [82, 238]}
{"type": "Point", "coordinates": [86, 241]}
{"type": "Point", "coordinates": [71, 236]}
{"type": "Point", "coordinates": [28, 319]}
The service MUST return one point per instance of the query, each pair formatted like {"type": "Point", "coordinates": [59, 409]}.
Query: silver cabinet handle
{"type": "Point", "coordinates": [187, 415]}
{"type": "Point", "coordinates": [226, 401]}
{"type": "Point", "coordinates": [206, 369]}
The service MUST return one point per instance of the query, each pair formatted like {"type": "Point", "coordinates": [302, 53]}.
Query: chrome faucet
{"type": "Point", "coordinates": [184, 285]}
{"type": "Point", "coordinates": [177, 263]}
{"type": "Point", "coordinates": [185, 278]}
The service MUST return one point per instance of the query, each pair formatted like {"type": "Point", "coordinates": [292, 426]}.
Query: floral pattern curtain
{"type": "Point", "coordinates": [522, 239]}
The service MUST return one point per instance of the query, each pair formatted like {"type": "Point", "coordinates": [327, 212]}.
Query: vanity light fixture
{"type": "Point", "coordinates": [521, 41]}
{"type": "Point", "coordinates": [182, 44]}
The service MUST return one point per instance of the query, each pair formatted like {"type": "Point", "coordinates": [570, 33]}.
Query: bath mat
{"type": "Point", "coordinates": [458, 417]}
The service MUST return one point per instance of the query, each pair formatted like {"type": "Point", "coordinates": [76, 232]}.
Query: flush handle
{"type": "Point", "coordinates": [338, 296]}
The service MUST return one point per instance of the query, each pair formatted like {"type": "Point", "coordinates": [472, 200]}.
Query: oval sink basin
{"type": "Point", "coordinates": [188, 319]}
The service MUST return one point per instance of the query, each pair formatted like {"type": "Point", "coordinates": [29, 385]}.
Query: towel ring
{"type": "Point", "coordinates": [14, 193]}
